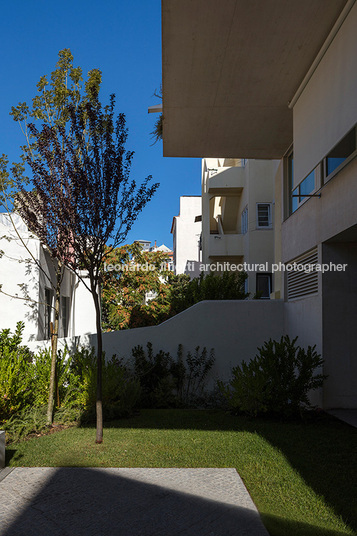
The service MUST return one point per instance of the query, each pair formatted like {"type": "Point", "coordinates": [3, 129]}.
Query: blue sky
{"type": "Point", "coordinates": [122, 39]}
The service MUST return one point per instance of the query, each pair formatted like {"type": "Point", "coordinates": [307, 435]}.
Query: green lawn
{"type": "Point", "coordinates": [301, 476]}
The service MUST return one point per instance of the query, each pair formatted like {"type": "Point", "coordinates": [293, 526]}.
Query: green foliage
{"type": "Point", "coordinates": [16, 373]}
{"type": "Point", "coordinates": [276, 381]}
{"type": "Point", "coordinates": [41, 371]}
{"type": "Point", "coordinates": [24, 385]}
{"type": "Point", "coordinates": [198, 366]}
{"type": "Point", "coordinates": [153, 372]}
{"type": "Point", "coordinates": [124, 290]}
{"type": "Point", "coordinates": [225, 286]}
{"type": "Point", "coordinates": [30, 420]}
{"type": "Point", "coordinates": [166, 382]}
{"type": "Point", "coordinates": [121, 392]}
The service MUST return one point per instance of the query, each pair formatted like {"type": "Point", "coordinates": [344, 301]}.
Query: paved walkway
{"type": "Point", "coordinates": [126, 502]}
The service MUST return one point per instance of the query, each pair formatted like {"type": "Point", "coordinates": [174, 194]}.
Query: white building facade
{"type": "Point", "coordinates": [27, 279]}
{"type": "Point", "coordinates": [280, 82]}
{"type": "Point", "coordinates": [237, 218]}
{"type": "Point", "coordinates": [186, 230]}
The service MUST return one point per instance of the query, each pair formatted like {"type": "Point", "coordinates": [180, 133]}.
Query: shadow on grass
{"type": "Point", "coordinates": [11, 453]}
{"type": "Point", "coordinates": [128, 502]}
{"type": "Point", "coordinates": [321, 449]}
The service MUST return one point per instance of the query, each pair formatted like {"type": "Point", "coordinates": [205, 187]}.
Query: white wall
{"type": "Point", "coordinates": [233, 328]}
{"type": "Point", "coordinates": [19, 275]}
{"type": "Point", "coordinates": [327, 108]}
{"type": "Point", "coordinates": [187, 234]}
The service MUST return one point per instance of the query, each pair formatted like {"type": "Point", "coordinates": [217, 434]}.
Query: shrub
{"type": "Point", "coordinates": [120, 391]}
{"type": "Point", "coordinates": [154, 374]}
{"type": "Point", "coordinates": [277, 381]}
{"type": "Point", "coordinates": [212, 286]}
{"type": "Point", "coordinates": [16, 373]}
{"type": "Point", "coordinates": [166, 382]}
{"type": "Point", "coordinates": [31, 420]}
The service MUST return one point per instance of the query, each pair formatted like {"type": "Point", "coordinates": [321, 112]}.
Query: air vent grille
{"type": "Point", "coordinates": [303, 281]}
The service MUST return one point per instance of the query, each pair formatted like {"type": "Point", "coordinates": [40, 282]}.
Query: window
{"type": "Point", "coordinates": [64, 317]}
{"type": "Point", "coordinates": [48, 313]}
{"type": "Point", "coordinates": [244, 221]}
{"type": "Point", "coordinates": [340, 152]}
{"type": "Point", "coordinates": [264, 215]}
{"type": "Point", "coordinates": [305, 188]}
{"type": "Point", "coordinates": [263, 286]}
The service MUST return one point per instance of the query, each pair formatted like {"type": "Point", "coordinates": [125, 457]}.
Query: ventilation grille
{"type": "Point", "coordinates": [302, 282]}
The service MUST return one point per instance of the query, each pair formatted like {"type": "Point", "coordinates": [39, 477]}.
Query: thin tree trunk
{"type": "Point", "coordinates": [99, 402]}
{"type": "Point", "coordinates": [54, 346]}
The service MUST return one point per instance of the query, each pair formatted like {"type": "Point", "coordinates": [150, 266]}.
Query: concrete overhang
{"type": "Point", "coordinates": [231, 68]}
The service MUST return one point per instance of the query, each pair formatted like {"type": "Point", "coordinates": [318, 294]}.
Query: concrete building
{"type": "Point", "coordinates": [237, 218]}
{"type": "Point", "coordinates": [20, 275]}
{"type": "Point", "coordinates": [186, 230]}
{"type": "Point", "coordinates": [279, 81]}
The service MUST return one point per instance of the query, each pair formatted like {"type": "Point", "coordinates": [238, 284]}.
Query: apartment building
{"type": "Point", "coordinates": [279, 82]}
{"type": "Point", "coordinates": [237, 218]}
{"type": "Point", "coordinates": [186, 231]}
{"type": "Point", "coordinates": [27, 280]}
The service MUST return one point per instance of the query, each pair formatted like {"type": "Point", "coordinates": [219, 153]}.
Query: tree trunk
{"type": "Point", "coordinates": [99, 402]}
{"type": "Point", "coordinates": [54, 346]}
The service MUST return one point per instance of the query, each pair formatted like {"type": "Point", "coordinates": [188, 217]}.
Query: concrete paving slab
{"type": "Point", "coordinates": [126, 502]}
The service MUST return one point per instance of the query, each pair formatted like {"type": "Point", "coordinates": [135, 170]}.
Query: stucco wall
{"type": "Point", "coordinates": [20, 275]}
{"type": "Point", "coordinates": [233, 328]}
{"type": "Point", "coordinates": [339, 311]}
{"type": "Point", "coordinates": [320, 219]}
{"type": "Point", "coordinates": [327, 108]}
{"type": "Point", "coordinates": [187, 235]}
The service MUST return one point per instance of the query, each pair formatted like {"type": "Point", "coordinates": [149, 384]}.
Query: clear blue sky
{"type": "Point", "coordinates": [123, 39]}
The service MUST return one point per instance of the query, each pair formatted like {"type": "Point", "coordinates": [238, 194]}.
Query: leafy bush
{"type": "Point", "coordinates": [16, 373]}
{"type": "Point", "coordinates": [212, 286]}
{"type": "Point", "coordinates": [277, 381]}
{"type": "Point", "coordinates": [166, 382]}
{"type": "Point", "coordinates": [31, 420]}
{"type": "Point", "coordinates": [154, 375]}
{"type": "Point", "coordinates": [120, 391]}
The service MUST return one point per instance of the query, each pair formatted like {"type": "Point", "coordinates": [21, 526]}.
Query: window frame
{"type": "Point", "coordinates": [261, 275]}
{"type": "Point", "coordinates": [244, 220]}
{"type": "Point", "coordinates": [270, 216]}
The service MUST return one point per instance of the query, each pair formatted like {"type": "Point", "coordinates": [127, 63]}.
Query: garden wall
{"type": "Point", "coordinates": [233, 328]}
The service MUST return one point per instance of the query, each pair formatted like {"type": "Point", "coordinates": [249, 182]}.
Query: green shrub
{"type": "Point", "coordinates": [212, 286]}
{"type": "Point", "coordinates": [166, 382]}
{"type": "Point", "coordinates": [121, 392]}
{"type": "Point", "coordinates": [277, 381]}
{"type": "Point", "coordinates": [31, 420]}
{"type": "Point", "coordinates": [154, 374]}
{"type": "Point", "coordinates": [16, 373]}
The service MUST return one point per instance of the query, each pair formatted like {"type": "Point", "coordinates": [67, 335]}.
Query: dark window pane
{"type": "Point", "coordinates": [307, 185]}
{"type": "Point", "coordinates": [263, 285]}
{"type": "Point", "coordinates": [342, 151]}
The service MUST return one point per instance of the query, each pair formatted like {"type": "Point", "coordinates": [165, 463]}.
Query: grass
{"type": "Point", "coordinates": [301, 476]}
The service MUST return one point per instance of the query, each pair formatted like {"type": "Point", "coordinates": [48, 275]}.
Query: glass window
{"type": "Point", "coordinates": [263, 286]}
{"type": "Point", "coordinates": [263, 215]}
{"type": "Point", "coordinates": [244, 222]}
{"type": "Point", "coordinates": [307, 185]}
{"type": "Point", "coordinates": [342, 151]}
{"type": "Point", "coordinates": [64, 318]}
{"type": "Point", "coordinates": [48, 313]}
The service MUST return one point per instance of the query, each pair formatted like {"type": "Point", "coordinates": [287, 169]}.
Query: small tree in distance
{"type": "Point", "coordinates": [83, 196]}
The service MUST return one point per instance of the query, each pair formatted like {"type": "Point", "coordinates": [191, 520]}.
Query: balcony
{"type": "Point", "coordinates": [226, 245]}
{"type": "Point", "coordinates": [229, 181]}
